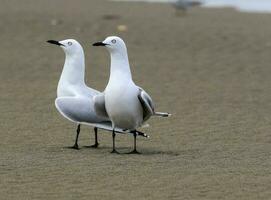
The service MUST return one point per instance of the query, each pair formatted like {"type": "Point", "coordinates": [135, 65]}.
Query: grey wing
{"type": "Point", "coordinates": [146, 103]}
{"type": "Point", "coordinates": [77, 109]}
{"type": "Point", "coordinates": [99, 105]}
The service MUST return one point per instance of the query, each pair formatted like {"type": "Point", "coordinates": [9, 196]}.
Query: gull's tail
{"type": "Point", "coordinates": [162, 114]}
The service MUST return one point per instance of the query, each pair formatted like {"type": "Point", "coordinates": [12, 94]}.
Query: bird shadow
{"type": "Point", "coordinates": [160, 152]}
{"type": "Point", "coordinates": [142, 151]}
{"type": "Point", "coordinates": [126, 150]}
{"type": "Point", "coordinates": [192, 153]}
{"type": "Point", "coordinates": [71, 147]}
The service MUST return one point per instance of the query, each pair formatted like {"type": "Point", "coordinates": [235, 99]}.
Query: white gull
{"type": "Point", "coordinates": [124, 103]}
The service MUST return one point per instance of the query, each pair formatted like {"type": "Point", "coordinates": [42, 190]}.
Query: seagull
{"type": "Point", "coordinates": [74, 98]}
{"type": "Point", "coordinates": [126, 105]}
{"type": "Point", "coordinates": [183, 5]}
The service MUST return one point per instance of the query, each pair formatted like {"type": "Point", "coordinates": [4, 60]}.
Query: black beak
{"type": "Point", "coordinates": [55, 42]}
{"type": "Point", "coordinates": [99, 44]}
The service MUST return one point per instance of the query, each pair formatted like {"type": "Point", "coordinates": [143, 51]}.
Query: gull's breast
{"type": "Point", "coordinates": [123, 107]}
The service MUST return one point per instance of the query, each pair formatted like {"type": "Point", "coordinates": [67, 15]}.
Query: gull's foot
{"type": "Point", "coordinates": [134, 152]}
{"type": "Point", "coordinates": [93, 146]}
{"type": "Point", "coordinates": [74, 147]}
{"type": "Point", "coordinates": [114, 151]}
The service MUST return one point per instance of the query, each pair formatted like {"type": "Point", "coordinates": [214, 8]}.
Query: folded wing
{"type": "Point", "coordinates": [99, 105]}
{"type": "Point", "coordinates": [148, 106]}
{"type": "Point", "coordinates": [78, 109]}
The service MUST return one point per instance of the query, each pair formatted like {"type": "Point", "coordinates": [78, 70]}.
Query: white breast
{"type": "Point", "coordinates": [123, 106]}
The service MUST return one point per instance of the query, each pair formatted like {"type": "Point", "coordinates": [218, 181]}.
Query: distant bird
{"type": "Point", "coordinates": [182, 6]}
{"type": "Point", "coordinates": [74, 99]}
{"type": "Point", "coordinates": [127, 105]}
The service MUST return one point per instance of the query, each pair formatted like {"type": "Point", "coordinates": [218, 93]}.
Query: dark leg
{"type": "Point", "coordinates": [134, 151]}
{"type": "Point", "coordinates": [75, 146]}
{"type": "Point", "coordinates": [113, 137]}
{"type": "Point", "coordinates": [96, 139]}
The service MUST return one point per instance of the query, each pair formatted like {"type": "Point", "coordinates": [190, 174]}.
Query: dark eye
{"type": "Point", "coordinates": [69, 43]}
{"type": "Point", "coordinates": [113, 41]}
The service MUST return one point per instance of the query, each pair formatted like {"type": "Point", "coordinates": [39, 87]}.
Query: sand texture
{"type": "Point", "coordinates": [211, 69]}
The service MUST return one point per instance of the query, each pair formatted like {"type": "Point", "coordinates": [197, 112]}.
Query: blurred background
{"type": "Point", "coordinates": [206, 62]}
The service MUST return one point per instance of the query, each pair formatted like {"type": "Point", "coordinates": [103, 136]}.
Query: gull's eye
{"type": "Point", "coordinates": [113, 41]}
{"type": "Point", "coordinates": [69, 43]}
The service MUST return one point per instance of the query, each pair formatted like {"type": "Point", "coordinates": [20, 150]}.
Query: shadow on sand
{"type": "Point", "coordinates": [126, 150]}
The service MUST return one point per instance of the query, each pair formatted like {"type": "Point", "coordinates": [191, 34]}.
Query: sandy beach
{"type": "Point", "coordinates": [210, 69]}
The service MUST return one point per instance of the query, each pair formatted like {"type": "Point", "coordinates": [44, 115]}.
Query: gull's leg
{"type": "Point", "coordinates": [75, 146]}
{"type": "Point", "coordinates": [96, 139]}
{"type": "Point", "coordinates": [113, 137]}
{"type": "Point", "coordinates": [134, 151]}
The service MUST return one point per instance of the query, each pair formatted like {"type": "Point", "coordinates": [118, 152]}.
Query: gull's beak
{"type": "Point", "coordinates": [55, 42]}
{"type": "Point", "coordinates": [99, 44]}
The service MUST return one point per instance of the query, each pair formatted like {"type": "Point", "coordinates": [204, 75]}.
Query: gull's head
{"type": "Point", "coordinates": [112, 44]}
{"type": "Point", "coordinates": [70, 46]}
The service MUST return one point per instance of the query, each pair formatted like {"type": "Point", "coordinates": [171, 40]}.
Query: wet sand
{"type": "Point", "coordinates": [210, 69]}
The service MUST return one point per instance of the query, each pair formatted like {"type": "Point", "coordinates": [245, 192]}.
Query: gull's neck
{"type": "Point", "coordinates": [120, 68]}
{"type": "Point", "coordinates": [73, 72]}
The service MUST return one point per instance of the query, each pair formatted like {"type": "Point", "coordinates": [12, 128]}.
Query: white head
{"type": "Point", "coordinates": [113, 44]}
{"type": "Point", "coordinates": [119, 56]}
{"type": "Point", "coordinates": [73, 72]}
{"type": "Point", "coordinates": [70, 46]}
